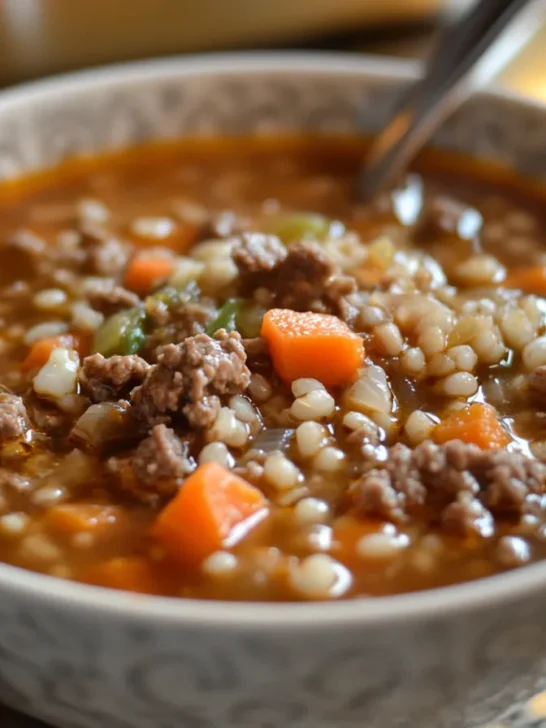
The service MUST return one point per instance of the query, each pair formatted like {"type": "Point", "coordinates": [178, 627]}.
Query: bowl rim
{"type": "Point", "coordinates": [451, 601]}
{"type": "Point", "coordinates": [317, 63]}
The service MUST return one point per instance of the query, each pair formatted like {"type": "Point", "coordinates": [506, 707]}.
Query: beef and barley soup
{"type": "Point", "coordinates": [223, 377]}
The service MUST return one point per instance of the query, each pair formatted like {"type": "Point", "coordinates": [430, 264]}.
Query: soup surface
{"type": "Point", "coordinates": [223, 377]}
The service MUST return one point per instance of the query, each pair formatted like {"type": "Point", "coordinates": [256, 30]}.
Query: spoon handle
{"type": "Point", "coordinates": [459, 63]}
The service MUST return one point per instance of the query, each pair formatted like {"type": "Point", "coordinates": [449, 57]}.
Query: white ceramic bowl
{"type": "Point", "coordinates": [82, 657]}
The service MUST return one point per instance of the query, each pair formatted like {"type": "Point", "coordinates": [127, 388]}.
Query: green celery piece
{"type": "Point", "coordinates": [302, 226]}
{"type": "Point", "coordinates": [227, 316]}
{"type": "Point", "coordinates": [122, 333]}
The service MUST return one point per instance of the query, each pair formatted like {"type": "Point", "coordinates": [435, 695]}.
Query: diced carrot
{"type": "Point", "coordinates": [68, 519]}
{"type": "Point", "coordinates": [146, 272]}
{"type": "Point", "coordinates": [129, 573]}
{"type": "Point", "coordinates": [41, 350]}
{"type": "Point", "coordinates": [528, 280]}
{"type": "Point", "coordinates": [476, 424]}
{"type": "Point", "coordinates": [312, 345]}
{"type": "Point", "coordinates": [213, 508]}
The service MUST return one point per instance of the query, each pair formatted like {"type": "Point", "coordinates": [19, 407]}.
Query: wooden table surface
{"type": "Point", "coordinates": [527, 74]}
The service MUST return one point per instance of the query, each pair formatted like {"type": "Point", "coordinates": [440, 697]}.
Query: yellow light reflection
{"type": "Point", "coordinates": [536, 707]}
{"type": "Point", "coordinates": [527, 74]}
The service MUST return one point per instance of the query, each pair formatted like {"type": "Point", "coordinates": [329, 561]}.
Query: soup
{"type": "Point", "coordinates": [223, 377]}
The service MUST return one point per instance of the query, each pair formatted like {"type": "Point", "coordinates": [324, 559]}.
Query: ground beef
{"type": "Point", "coordinates": [158, 464]}
{"type": "Point", "coordinates": [30, 252]}
{"type": "Point", "coordinates": [13, 416]}
{"type": "Point", "coordinates": [174, 324]}
{"type": "Point", "coordinates": [367, 433]}
{"type": "Point", "coordinates": [302, 277]}
{"type": "Point", "coordinates": [106, 296]}
{"type": "Point", "coordinates": [309, 280]}
{"type": "Point", "coordinates": [374, 494]}
{"type": "Point", "coordinates": [366, 440]}
{"type": "Point", "coordinates": [158, 311]}
{"type": "Point", "coordinates": [463, 486]}
{"type": "Point", "coordinates": [109, 258]}
{"type": "Point", "coordinates": [467, 514]}
{"type": "Point", "coordinates": [258, 258]}
{"type": "Point", "coordinates": [106, 255]}
{"type": "Point", "coordinates": [114, 377]}
{"type": "Point", "coordinates": [190, 377]}
{"type": "Point", "coordinates": [515, 483]}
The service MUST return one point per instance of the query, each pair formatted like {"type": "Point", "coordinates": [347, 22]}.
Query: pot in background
{"type": "Point", "coordinates": [38, 38]}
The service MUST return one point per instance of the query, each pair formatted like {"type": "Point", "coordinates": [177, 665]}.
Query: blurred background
{"type": "Point", "coordinates": [40, 37]}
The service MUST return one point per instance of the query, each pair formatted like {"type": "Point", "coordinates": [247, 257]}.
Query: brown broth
{"type": "Point", "coordinates": [256, 178]}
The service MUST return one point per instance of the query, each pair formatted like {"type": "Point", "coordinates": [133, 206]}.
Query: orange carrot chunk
{"type": "Point", "coordinates": [477, 424]}
{"type": "Point", "coordinates": [128, 573]}
{"type": "Point", "coordinates": [312, 345]}
{"type": "Point", "coordinates": [528, 280]}
{"type": "Point", "coordinates": [144, 273]}
{"type": "Point", "coordinates": [41, 350]}
{"type": "Point", "coordinates": [69, 519]}
{"type": "Point", "coordinates": [213, 509]}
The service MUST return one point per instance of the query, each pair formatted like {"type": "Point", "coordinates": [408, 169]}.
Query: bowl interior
{"type": "Point", "coordinates": [42, 124]}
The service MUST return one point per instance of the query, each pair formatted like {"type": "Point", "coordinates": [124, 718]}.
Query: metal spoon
{"type": "Point", "coordinates": [466, 56]}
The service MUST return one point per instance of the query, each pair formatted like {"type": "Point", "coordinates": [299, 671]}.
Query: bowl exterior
{"type": "Point", "coordinates": [82, 667]}
{"type": "Point", "coordinates": [77, 668]}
